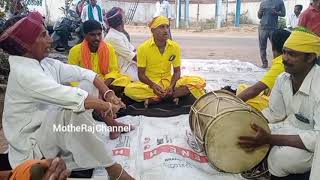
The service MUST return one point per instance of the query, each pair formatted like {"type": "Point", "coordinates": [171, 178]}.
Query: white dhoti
{"type": "Point", "coordinates": [130, 69]}
{"type": "Point", "coordinates": [285, 160]}
{"type": "Point", "coordinates": [83, 149]}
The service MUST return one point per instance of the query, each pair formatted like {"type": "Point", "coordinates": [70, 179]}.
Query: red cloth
{"type": "Point", "coordinates": [310, 19]}
{"type": "Point", "coordinates": [19, 38]}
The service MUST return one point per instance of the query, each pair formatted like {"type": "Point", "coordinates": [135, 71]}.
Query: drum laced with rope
{"type": "Point", "coordinates": [216, 120]}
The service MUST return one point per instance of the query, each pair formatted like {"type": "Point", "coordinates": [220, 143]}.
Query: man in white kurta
{"type": "Point", "coordinates": [295, 102]}
{"type": "Point", "coordinates": [36, 101]}
{"type": "Point", "coordinates": [124, 49]}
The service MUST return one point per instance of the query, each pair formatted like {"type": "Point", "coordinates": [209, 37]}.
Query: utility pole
{"type": "Point", "coordinates": [238, 8]}
{"type": "Point", "coordinates": [227, 8]}
{"type": "Point", "coordinates": [198, 10]}
{"type": "Point", "coordinates": [218, 13]}
{"type": "Point", "coordinates": [186, 13]}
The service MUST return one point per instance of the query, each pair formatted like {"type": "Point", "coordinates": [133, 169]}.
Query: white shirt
{"type": "Point", "coordinates": [85, 14]}
{"type": "Point", "coordinates": [124, 49]}
{"type": "Point", "coordinates": [34, 90]}
{"type": "Point", "coordinates": [163, 9]}
{"type": "Point", "coordinates": [283, 105]}
{"type": "Point", "coordinates": [293, 21]}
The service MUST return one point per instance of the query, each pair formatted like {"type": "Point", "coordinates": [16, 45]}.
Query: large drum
{"type": "Point", "coordinates": [217, 119]}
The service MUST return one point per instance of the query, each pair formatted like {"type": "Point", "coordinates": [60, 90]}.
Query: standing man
{"type": "Point", "coordinates": [295, 101]}
{"type": "Point", "coordinates": [294, 18]}
{"type": "Point", "coordinates": [269, 12]}
{"type": "Point", "coordinates": [163, 8]}
{"type": "Point", "coordinates": [124, 49]}
{"type": "Point", "coordinates": [80, 5]}
{"type": "Point", "coordinates": [92, 11]}
{"type": "Point", "coordinates": [310, 18]}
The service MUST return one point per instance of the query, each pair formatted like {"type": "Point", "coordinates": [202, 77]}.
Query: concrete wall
{"type": "Point", "coordinates": [206, 11]}
{"type": "Point", "coordinates": [145, 11]}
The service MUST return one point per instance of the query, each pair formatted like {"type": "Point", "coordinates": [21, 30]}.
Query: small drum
{"type": "Point", "coordinates": [217, 119]}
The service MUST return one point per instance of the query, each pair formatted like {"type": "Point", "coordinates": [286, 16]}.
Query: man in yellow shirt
{"type": "Point", "coordinates": [257, 95]}
{"type": "Point", "coordinates": [156, 57]}
{"type": "Point", "coordinates": [94, 54]}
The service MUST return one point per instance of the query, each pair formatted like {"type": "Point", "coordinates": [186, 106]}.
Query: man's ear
{"type": "Point", "coordinates": [311, 57]}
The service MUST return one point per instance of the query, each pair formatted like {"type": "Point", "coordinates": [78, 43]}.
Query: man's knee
{"type": "Point", "coordinates": [283, 161]}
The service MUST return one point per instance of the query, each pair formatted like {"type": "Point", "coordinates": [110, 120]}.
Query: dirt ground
{"type": "Point", "coordinates": [225, 43]}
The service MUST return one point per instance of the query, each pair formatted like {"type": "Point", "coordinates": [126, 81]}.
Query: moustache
{"type": "Point", "coordinates": [287, 64]}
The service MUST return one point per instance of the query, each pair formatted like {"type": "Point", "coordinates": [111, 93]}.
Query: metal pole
{"type": "Point", "coordinates": [238, 8]}
{"type": "Point", "coordinates": [227, 7]}
{"type": "Point", "coordinates": [198, 10]}
{"type": "Point", "coordinates": [218, 13]}
{"type": "Point", "coordinates": [186, 17]}
{"type": "Point", "coordinates": [178, 14]}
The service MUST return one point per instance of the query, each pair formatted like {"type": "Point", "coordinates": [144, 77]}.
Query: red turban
{"type": "Point", "coordinates": [18, 39]}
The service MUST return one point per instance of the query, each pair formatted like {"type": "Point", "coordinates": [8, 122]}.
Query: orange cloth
{"type": "Point", "coordinates": [103, 53]}
{"type": "Point", "coordinates": [22, 172]}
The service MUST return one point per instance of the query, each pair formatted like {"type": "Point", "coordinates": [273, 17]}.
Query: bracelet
{"type": "Point", "coordinates": [105, 93]}
{"type": "Point", "coordinates": [120, 173]}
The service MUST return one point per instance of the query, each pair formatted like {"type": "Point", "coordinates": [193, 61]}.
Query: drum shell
{"type": "Point", "coordinates": [217, 119]}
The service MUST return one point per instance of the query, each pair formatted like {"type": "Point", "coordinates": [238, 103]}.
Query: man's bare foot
{"type": "Point", "coordinates": [116, 172]}
{"type": "Point", "coordinates": [151, 101]}
{"type": "Point", "coordinates": [114, 135]}
{"type": "Point", "coordinates": [57, 170]}
{"type": "Point", "coordinates": [126, 127]}
{"type": "Point", "coordinates": [122, 128]}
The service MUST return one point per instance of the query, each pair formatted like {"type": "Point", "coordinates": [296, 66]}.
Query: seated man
{"type": "Point", "coordinates": [295, 100]}
{"type": "Point", "coordinates": [94, 54]}
{"type": "Point", "coordinates": [156, 57]}
{"type": "Point", "coordinates": [37, 102]}
{"type": "Point", "coordinates": [256, 95]}
{"type": "Point", "coordinates": [124, 49]}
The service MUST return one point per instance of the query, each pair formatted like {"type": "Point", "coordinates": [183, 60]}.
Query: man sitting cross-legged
{"type": "Point", "coordinates": [94, 54]}
{"type": "Point", "coordinates": [37, 103]}
{"type": "Point", "coordinates": [156, 57]}
{"type": "Point", "coordinates": [257, 95]}
{"type": "Point", "coordinates": [117, 38]}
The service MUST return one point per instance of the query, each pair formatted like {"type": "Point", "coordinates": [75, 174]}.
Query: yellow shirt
{"type": "Point", "coordinates": [276, 69]}
{"type": "Point", "coordinates": [159, 66]}
{"type": "Point", "coordinates": [75, 58]}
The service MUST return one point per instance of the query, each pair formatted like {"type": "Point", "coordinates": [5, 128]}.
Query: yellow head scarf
{"type": "Point", "coordinates": [158, 21]}
{"type": "Point", "coordinates": [303, 40]}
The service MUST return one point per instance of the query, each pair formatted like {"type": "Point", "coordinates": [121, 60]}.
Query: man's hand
{"type": "Point", "coordinates": [111, 110]}
{"type": "Point", "coordinates": [112, 98]}
{"type": "Point", "coordinates": [158, 90]}
{"type": "Point", "coordinates": [57, 170]}
{"type": "Point", "coordinates": [169, 91]}
{"type": "Point", "coordinates": [261, 138]}
{"type": "Point", "coordinates": [275, 12]}
{"type": "Point", "coordinates": [108, 81]}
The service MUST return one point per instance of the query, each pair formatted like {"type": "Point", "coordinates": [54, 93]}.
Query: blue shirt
{"type": "Point", "coordinates": [269, 19]}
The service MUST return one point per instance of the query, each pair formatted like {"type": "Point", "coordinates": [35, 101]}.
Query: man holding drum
{"type": "Point", "coordinates": [295, 100]}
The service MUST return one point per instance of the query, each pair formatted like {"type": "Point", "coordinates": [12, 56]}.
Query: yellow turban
{"type": "Point", "coordinates": [158, 21]}
{"type": "Point", "coordinates": [303, 41]}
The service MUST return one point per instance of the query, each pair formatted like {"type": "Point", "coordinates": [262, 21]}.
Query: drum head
{"type": "Point", "coordinates": [221, 141]}
{"type": "Point", "coordinates": [209, 105]}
